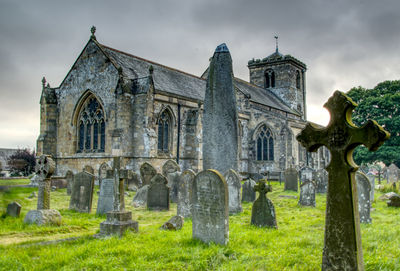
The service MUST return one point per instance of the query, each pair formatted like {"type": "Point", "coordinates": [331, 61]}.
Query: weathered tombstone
{"type": "Point", "coordinates": [140, 198]}
{"type": "Point", "coordinates": [34, 181]}
{"type": "Point", "coordinates": [394, 200]}
{"type": "Point", "coordinates": [103, 172]}
{"type": "Point", "coordinates": [263, 211]}
{"type": "Point", "coordinates": [210, 209]}
{"type": "Point", "coordinates": [45, 167]}
{"type": "Point", "coordinates": [307, 193]}
{"type": "Point", "coordinates": [248, 192]}
{"type": "Point", "coordinates": [14, 209]}
{"type": "Point", "coordinates": [158, 194]}
{"type": "Point", "coordinates": [133, 181]}
{"type": "Point", "coordinates": [291, 179]}
{"type": "Point", "coordinates": [69, 176]}
{"type": "Point", "coordinates": [147, 172]}
{"type": "Point", "coordinates": [88, 169]}
{"type": "Point", "coordinates": [306, 174]}
{"type": "Point", "coordinates": [321, 180]}
{"type": "Point", "coordinates": [364, 194]}
{"type": "Point", "coordinates": [105, 202]}
{"type": "Point", "coordinates": [185, 190]}
{"type": "Point", "coordinates": [371, 178]}
{"type": "Point", "coordinates": [220, 118]}
{"type": "Point", "coordinates": [173, 224]}
{"type": "Point", "coordinates": [82, 192]}
{"type": "Point", "coordinates": [392, 173]}
{"type": "Point", "coordinates": [118, 220]}
{"type": "Point", "coordinates": [233, 181]}
{"type": "Point", "coordinates": [171, 170]}
{"type": "Point", "coordinates": [342, 245]}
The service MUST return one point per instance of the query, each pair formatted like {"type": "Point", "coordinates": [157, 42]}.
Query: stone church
{"type": "Point", "coordinates": [112, 103]}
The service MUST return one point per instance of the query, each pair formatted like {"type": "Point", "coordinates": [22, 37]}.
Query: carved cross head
{"type": "Point", "coordinates": [262, 188]}
{"type": "Point", "coordinates": [44, 167]}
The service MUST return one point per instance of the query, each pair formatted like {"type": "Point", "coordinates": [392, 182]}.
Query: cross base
{"type": "Point", "coordinates": [117, 223]}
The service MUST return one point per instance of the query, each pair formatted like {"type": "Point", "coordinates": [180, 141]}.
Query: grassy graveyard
{"type": "Point", "coordinates": [296, 245]}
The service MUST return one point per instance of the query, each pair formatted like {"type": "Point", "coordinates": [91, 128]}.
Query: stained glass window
{"type": "Point", "coordinates": [164, 124]}
{"type": "Point", "coordinates": [265, 144]}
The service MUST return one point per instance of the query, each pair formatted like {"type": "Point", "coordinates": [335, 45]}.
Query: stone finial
{"type": "Point", "coordinates": [43, 82]}
{"type": "Point", "coordinates": [276, 44]}
{"type": "Point", "coordinates": [151, 69]}
{"type": "Point", "coordinates": [93, 30]}
{"type": "Point", "coordinates": [120, 70]}
{"type": "Point", "coordinates": [48, 85]}
{"type": "Point", "coordinates": [222, 48]}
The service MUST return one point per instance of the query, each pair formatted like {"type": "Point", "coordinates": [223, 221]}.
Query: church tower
{"type": "Point", "coordinates": [283, 75]}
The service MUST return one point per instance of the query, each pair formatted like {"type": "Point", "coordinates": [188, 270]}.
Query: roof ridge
{"type": "Point", "coordinates": [152, 62]}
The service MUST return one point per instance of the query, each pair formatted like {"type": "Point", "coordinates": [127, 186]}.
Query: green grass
{"type": "Point", "coordinates": [296, 244]}
{"type": "Point", "coordinates": [14, 181]}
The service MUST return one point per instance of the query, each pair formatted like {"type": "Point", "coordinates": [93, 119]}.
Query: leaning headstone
{"type": "Point", "coordinates": [69, 176]}
{"type": "Point", "coordinates": [321, 180]}
{"type": "Point", "coordinates": [220, 117]}
{"type": "Point", "coordinates": [158, 194]}
{"type": "Point", "coordinates": [171, 170]}
{"type": "Point", "coordinates": [45, 167]}
{"type": "Point", "coordinates": [82, 192]}
{"type": "Point", "coordinates": [342, 243]}
{"type": "Point", "coordinates": [371, 178]}
{"type": "Point", "coordinates": [174, 224]}
{"type": "Point", "coordinates": [185, 190]}
{"type": "Point", "coordinates": [392, 173]}
{"type": "Point", "coordinates": [306, 174]}
{"type": "Point", "coordinates": [248, 192]}
{"type": "Point", "coordinates": [133, 182]}
{"type": "Point", "coordinates": [263, 211]}
{"type": "Point", "coordinates": [140, 198]}
{"type": "Point", "coordinates": [210, 209]}
{"type": "Point", "coordinates": [14, 209]}
{"type": "Point", "coordinates": [233, 181]}
{"type": "Point", "coordinates": [147, 172]}
{"type": "Point", "coordinates": [105, 202]}
{"type": "Point", "coordinates": [394, 201]}
{"type": "Point", "coordinates": [364, 194]}
{"type": "Point", "coordinates": [291, 179]}
{"type": "Point", "coordinates": [307, 193]}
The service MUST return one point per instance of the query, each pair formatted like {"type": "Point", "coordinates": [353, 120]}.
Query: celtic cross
{"type": "Point", "coordinates": [119, 181]}
{"type": "Point", "coordinates": [342, 245]}
{"type": "Point", "coordinates": [44, 169]}
{"type": "Point", "coordinates": [262, 188]}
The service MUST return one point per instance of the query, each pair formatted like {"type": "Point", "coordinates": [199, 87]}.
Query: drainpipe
{"type": "Point", "coordinates": [179, 133]}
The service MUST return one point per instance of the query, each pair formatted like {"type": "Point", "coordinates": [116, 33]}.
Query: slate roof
{"type": "Point", "coordinates": [180, 83]}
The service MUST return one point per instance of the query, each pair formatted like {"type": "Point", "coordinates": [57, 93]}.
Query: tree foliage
{"type": "Point", "coordinates": [23, 161]}
{"type": "Point", "coordinates": [382, 103]}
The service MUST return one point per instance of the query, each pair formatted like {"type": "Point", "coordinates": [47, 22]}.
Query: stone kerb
{"type": "Point", "coordinates": [210, 209]}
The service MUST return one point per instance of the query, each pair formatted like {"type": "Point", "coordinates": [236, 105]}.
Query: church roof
{"type": "Point", "coordinates": [183, 84]}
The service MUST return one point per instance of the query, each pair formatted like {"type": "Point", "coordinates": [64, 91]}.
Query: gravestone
{"type": "Point", "coordinates": [306, 174]}
{"type": "Point", "coordinates": [174, 223]}
{"type": "Point", "coordinates": [147, 172]}
{"type": "Point", "coordinates": [233, 181]}
{"type": "Point", "coordinates": [307, 193]}
{"type": "Point", "coordinates": [394, 200]}
{"type": "Point", "coordinates": [321, 180]}
{"type": "Point", "coordinates": [291, 179]}
{"type": "Point", "coordinates": [82, 192]}
{"type": "Point", "coordinates": [371, 178]}
{"type": "Point", "coordinates": [118, 220]}
{"type": "Point", "coordinates": [220, 117]}
{"type": "Point", "coordinates": [263, 211]}
{"type": "Point", "coordinates": [248, 192]}
{"type": "Point", "coordinates": [158, 194]}
{"type": "Point", "coordinates": [171, 170]}
{"type": "Point", "coordinates": [14, 209]}
{"type": "Point", "coordinates": [185, 190]}
{"type": "Point", "coordinates": [34, 181]}
{"type": "Point", "coordinates": [105, 202]}
{"type": "Point", "coordinates": [44, 168]}
{"type": "Point", "coordinates": [392, 173]}
{"type": "Point", "coordinates": [140, 198]}
{"type": "Point", "coordinates": [342, 243]}
{"type": "Point", "coordinates": [364, 194]}
{"type": "Point", "coordinates": [88, 169]}
{"type": "Point", "coordinates": [103, 172]}
{"type": "Point", "coordinates": [69, 176]}
{"type": "Point", "coordinates": [210, 209]}
{"type": "Point", "coordinates": [133, 181]}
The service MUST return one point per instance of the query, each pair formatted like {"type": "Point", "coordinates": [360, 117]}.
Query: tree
{"type": "Point", "coordinates": [382, 103]}
{"type": "Point", "coordinates": [22, 161]}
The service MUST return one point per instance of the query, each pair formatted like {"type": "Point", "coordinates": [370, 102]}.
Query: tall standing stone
{"type": "Point", "coordinates": [210, 209]}
{"type": "Point", "coordinates": [364, 194]}
{"type": "Point", "coordinates": [171, 170]}
{"type": "Point", "coordinates": [307, 193]}
{"type": "Point", "coordinates": [342, 245]}
{"type": "Point", "coordinates": [69, 176]}
{"type": "Point", "coordinates": [105, 202]}
{"type": "Point", "coordinates": [371, 178]}
{"type": "Point", "coordinates": [158, 194]}
{"type": "Point", "coordinates": [185, 190]}
{"type": "Point", "coordinates": [220, 118]}
{"type": "Point", "coordinates": [321, 180]}
{"type": "Point", "coordinates": [248, 192]}
{"type": "Point", "coordinates": [291, 179]}
{"type": "Point", "coordinates": [263, 211]}
{"type": "Point", "coordinates": [82, 192]}
{"type": "Point", "coordinates": [234, 185]}
{"type": "Point", "coordinates": [147, 172]}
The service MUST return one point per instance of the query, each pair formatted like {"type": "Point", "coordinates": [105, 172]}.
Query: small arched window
{"type": "Point", "coordinates": [164, 126]}
{"type": "Point", "coordinates": [91, 127]}
{"type": "Point", "coordinates": [269, 79]}
{"type": "Point", "coordinates": [265, 144]}
{"type": "Point", "coordinates": [297, 79]}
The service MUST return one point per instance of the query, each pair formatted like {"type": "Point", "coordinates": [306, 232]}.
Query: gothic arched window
{"type": "Point", "coordinates": [269, 79]}
{"type": "Point", "coordinates": [264, 144]}
{"type": "Point", "coordinates": [91, 127]}
{"type": "Point", "coordinates": [297, 79]}
{"type": "Point", "coordinates": [164, 126]}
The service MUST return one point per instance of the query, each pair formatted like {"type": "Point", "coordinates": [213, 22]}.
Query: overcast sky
{"type": "Point", "coordinates": [344, 44]}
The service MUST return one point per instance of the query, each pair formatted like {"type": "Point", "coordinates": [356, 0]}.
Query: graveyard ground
{"type": "Point", "coordinates": [296, 245]}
